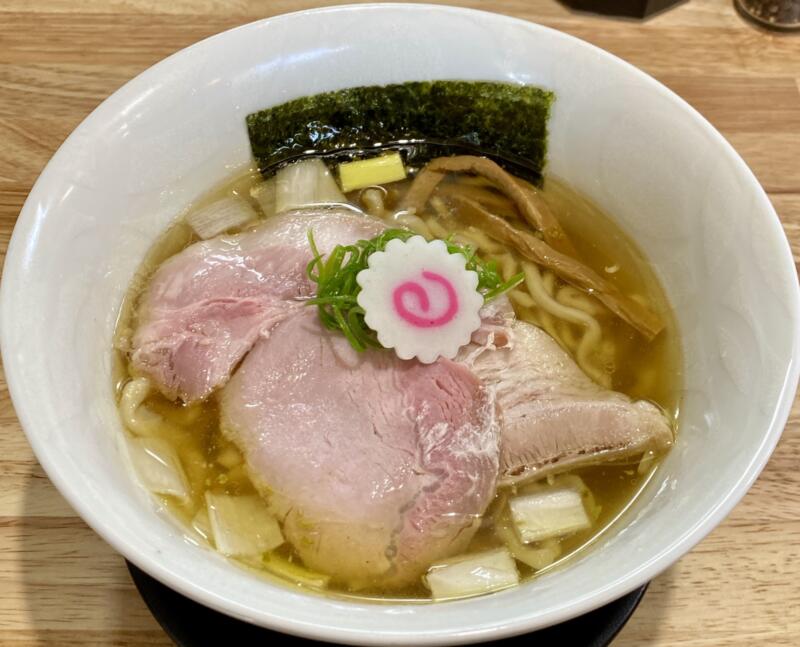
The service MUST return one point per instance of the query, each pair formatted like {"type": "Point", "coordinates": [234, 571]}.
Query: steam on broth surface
{"type": "Point", "coordinates": [605, 347]}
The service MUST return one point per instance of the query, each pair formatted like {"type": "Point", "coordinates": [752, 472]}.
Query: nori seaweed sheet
{"type": "Point", "coordinates": [423, 119]}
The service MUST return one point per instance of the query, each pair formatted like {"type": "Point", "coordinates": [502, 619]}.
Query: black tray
{"type": "Point", "coordinates": [191, 624]}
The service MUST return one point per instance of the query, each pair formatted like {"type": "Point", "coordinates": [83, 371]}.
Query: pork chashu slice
{"type": "Point", "coordinates": [205, 307]}
{"type": "Point", "coordinates": [375, 466]}
{"type": "Point", "coordinates": [554, 417]}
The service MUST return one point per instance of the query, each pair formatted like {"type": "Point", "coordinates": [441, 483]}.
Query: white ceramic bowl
{"type": "Point", "coordinates": [616, 135]}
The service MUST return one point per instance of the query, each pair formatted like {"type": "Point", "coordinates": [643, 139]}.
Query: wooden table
{"type": "Point", "coordinates": [61, 585]}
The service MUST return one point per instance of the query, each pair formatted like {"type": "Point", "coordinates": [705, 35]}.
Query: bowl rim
{"type": "Point", "coordinates": [489, 629]}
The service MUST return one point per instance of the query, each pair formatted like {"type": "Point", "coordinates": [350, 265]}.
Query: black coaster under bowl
{"type": "Point", "coordinates": [191, 624]}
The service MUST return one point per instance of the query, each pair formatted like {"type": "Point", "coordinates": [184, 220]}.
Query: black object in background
{"type": "Point", "coordinates": [627, 8]}
{"type": "Point", "coordinates": [190, 624]}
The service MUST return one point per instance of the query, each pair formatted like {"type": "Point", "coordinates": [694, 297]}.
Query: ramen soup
{"type": "Point", "coordinates": [394, 377]}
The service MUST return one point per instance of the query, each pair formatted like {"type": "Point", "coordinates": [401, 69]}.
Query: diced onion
{"type": "Point", "coordinates": [305, 183]}
{"type": "Point", "coordinates": [221, 216]}
{"type": "Point", "coordinates": [158, 466]}
{"type": "Point", "coordinates": [264, 194]}
{"type": "Point", "coordinates": [201, 524]}
{"type": "Point", "coordinates": [242, 525]}
{"type": "Point", "coordinates": [648, 459]}
{"type": "Point", "coordinates": [542, 555]}
{"type": "Point", "coordinates": [550, 513]}
{"type": "Point", "coordinates": [571, 481]}
{"type": "Point", "coordinates": [537, 556]}
{"type": "Point", "coordinates": [230, 457]}
{"type": "Point", "coordinates": [295, 572]}
{"type": "Point", "coordinates": [472, 574]}
{"type": "Point", "coordinates": [136, 417]}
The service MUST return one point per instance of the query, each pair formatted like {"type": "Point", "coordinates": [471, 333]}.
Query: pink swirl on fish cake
{"type": "Point", "coordinates": [417, 290]}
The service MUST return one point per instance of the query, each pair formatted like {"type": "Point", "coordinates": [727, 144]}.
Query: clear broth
{"type": "Point", "coordinates": [648, 371]}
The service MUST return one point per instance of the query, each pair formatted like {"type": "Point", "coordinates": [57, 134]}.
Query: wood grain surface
{"type": "Point", "coordinates": [62, 585]}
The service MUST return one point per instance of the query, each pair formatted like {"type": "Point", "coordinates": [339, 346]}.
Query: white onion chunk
{"type": "Point", "coordinates": [549, 513]}
{"type": "Point", "coordinates": [472, 574]}
{"type": "Point", "coordinates": [157, 464]}
{"type": "Point", "coordinates": [221, 216]}
{"type": "Point", "coordinates": [242, 525]}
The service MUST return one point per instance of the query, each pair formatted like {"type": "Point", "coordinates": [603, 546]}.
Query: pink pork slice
{"type": "Point", "coordinates": [205, 307]}
{"type": "Point", "coordinates": [554, 417]}
{"type": "Point", "coordinates": [376, 466]}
